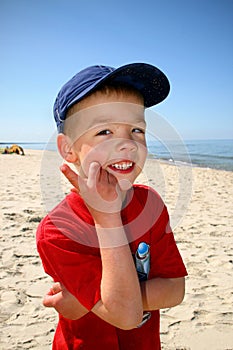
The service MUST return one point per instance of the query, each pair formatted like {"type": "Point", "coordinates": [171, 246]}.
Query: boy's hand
{"type": "Point", "coordinates": [100, 190]}
{"type": "Point", "coordinates": [64, 302]}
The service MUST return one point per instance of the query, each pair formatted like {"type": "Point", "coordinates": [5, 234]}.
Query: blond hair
{"type": "Point", "coordinates": [107, 90]}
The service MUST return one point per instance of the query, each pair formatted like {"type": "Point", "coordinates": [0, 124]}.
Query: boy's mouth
{"type": "Point", "coordinates": [122, 166]}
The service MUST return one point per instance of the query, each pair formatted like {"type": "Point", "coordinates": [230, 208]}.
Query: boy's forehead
{"type": "Point", "coordinates": [114, 112]}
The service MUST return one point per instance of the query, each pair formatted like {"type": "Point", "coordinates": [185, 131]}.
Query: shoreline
{"type": "Point", "coordinates": [149, 157]}
{"type": "Point", "coordinates": [180, 163]}
{"type": "Point", "coordinates": [213, 154]}
{"type": "Point", "coordinates": [204, 236]}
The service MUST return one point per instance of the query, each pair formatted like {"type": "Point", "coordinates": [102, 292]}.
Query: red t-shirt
{"type": "Point", "coordinates": [68, 246]}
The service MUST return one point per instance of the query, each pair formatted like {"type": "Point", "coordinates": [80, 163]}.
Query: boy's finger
{"type": "Point", "coordinates": [70, 175]}
{"type": "Point", "coordinates": [56, 288]}
{"type": "Point", "coordinates": [104, 176]}
{"type": "Point", "coordinates": [111, 178]}
{"type": "Point", "coordinates": [48, 301]}
{"type": "Point", "coordinates": [74, 190]}
{"type": "Point", "coordinates": [51, 300]}
{"type": "Point", "coordinates": [93, 173]}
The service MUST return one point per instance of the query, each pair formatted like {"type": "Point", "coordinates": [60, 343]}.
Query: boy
{"type": "Point", "coordinates": [89, 242]}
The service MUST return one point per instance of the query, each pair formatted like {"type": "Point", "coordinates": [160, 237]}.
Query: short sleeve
{"type": "Point", "coordinates": [166, 258]}
{"type": "Point", "coordinates": [77, 267]}
{"type": "Point", "coordinates": [167, 261]}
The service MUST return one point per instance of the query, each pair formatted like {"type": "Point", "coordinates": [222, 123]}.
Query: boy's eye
{"type": "Point", "coordinates": [104, 132]}
{"type": "Point", "coordinates": [138, 130]}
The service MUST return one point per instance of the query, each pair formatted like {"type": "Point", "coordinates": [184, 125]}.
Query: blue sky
{"type": "Point", "coordinates": [44, 43]}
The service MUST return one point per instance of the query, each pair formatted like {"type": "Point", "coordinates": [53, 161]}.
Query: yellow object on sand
{"type": "Point", "coordinates": [13, 149]}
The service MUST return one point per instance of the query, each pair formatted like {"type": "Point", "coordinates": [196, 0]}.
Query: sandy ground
{"type": "Point", "coordinates": [200, 205]}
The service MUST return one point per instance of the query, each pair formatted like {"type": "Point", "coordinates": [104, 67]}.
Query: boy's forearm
{"type": "Point", "coordinates": [161, 293]}
{"type": "Point", "coordinates": [121, 301]}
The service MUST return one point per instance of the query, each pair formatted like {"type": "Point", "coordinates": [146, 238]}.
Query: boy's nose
{"type": "Point", "coordinates": [126, 145]}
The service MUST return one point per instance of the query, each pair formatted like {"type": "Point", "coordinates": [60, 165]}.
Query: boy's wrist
{"type": "Point", "coordinates": [107, 220]}
{"type": "Point", "coordinates": [111, 234]}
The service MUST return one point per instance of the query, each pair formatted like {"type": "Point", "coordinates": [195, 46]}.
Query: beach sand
{"type": "Point", "coordinates": [200, 203]}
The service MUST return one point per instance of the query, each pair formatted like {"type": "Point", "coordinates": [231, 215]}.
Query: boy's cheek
{"type": "Point", "coordinates": [142, 156]}
{"type": "Point", "coordinates": [93, 155]}
{"type": "Point", "coordinates": [100, 153]}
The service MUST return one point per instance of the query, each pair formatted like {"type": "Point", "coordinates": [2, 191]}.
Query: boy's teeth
{"type": "Point", "coordinates": [122, 166]}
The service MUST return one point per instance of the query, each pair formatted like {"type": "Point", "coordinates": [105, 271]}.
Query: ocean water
{"type": "Point", "coordinates": [217, 154]}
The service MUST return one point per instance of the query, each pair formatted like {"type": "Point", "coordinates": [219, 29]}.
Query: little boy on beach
{"type": "Point", "coordinates": [108, 245]}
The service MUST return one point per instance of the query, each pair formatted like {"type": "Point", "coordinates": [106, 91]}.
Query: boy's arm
{"type": "Point", "coordinates": [121, 302]}
{"type": "Point", "coordinates": [64, 302]}
{"type": "Point", "coordinates": [160, 293]}
{"type": "Point", "coordinates": [157, 293]}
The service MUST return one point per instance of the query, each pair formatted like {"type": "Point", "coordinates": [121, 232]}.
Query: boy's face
{"type": "Point", "coordinates": [109, 130]}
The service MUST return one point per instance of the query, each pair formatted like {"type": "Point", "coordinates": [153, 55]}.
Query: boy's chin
{"type": "Point", "coordinates": [125, 184]}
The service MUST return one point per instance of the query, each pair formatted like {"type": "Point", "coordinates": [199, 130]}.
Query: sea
{"type": "Point", "coordinates": [216, 154]}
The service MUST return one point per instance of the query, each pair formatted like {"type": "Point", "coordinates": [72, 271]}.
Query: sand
{"type": "Point", "coordinates": [200, 204]}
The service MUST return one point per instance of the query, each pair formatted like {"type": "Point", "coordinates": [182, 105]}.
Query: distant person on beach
{"type": "Point", "coordinates": [108, 245]}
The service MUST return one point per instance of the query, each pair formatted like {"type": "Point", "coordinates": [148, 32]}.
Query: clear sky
{"type": "Point", "coordinates": [44, 43]}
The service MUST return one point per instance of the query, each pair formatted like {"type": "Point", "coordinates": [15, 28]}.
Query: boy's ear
{"type": "Point", "coordinates": [65, 148]}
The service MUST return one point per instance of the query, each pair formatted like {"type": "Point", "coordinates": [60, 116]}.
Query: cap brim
{"type": "Point", "coordinates": [147, 79]}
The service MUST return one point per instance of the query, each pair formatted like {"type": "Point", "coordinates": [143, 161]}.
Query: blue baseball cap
{"type": "Point", "coordinates": [151, 82]}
